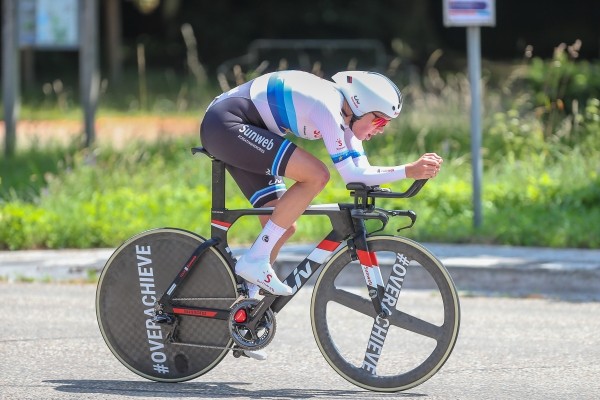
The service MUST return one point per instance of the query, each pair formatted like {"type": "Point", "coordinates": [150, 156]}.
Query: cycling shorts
{"type": "Point", "coordinates": [233, 132]}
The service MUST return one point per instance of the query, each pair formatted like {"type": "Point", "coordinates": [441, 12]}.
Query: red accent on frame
{"type": "Point", "coordinates": [328, 245]}
{"type": "Point", "coordinates": [196, 313]}
{"type": "Point", "coordinates": [191, 261]}
{"type": "Point", "coordinates": [374, 261]}
{"type": "Point", "coordinates": [221, 223]}
{"type": "Point", "coordinates": [364, 257]}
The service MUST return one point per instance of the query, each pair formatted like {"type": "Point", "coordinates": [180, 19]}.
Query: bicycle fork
{"type": "Point", "coordinates": [384, 296]}
{"type": "Point", "coordinates": [372, 274]}
{"type": "Point", "coordinates": [368, 262]}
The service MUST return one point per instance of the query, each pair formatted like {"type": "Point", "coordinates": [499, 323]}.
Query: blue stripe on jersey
{"type": "Point", "coordinates": [341, 156]}
{"type": "Point", "coordinates": [356, 154]}
{"type": "Point", "coordinates": [290, 110]}
{"type": "Point", "coordinates": [281, 104]}
{"type": "Point", "coordinates": [276, 102]}
{"type": "Point", "coordinates": [266, 191]}
{"type": "Point", "coordinates": [279, 156]}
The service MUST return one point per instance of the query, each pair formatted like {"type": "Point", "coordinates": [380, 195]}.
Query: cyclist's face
{"type": "Point", "coordinates": [369, 125]}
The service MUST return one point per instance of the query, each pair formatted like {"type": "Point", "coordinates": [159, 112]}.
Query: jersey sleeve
{"type": "Point", "coordinates": [348, 155]}
{"type": "Point", "coordinates": [359, 157]}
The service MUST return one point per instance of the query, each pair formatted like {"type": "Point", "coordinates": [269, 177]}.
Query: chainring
{"type": "Point", "coordinates": [241, 330]}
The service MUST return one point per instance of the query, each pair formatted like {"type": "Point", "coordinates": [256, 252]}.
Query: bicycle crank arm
{"type": "Point", "coordinates": [257, 314]}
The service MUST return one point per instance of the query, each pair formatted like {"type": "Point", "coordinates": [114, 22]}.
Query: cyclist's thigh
{"type": "Point", "coordinates": [304, 167]}
{"type": "Point", "coordinates": [259, 189]}
{"type": "Point", "coordinates": [233, 131]}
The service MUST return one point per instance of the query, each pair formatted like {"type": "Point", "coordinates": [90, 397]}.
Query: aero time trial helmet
{"type": "Point", "coordinates": [369, 91]}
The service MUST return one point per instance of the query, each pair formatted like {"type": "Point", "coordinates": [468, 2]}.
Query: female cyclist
{"type": "Point", "coordinates": [246, 128]}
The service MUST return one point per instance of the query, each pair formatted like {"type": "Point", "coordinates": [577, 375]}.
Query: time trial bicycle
{"type": "Point", "coordinates": [170, 306]}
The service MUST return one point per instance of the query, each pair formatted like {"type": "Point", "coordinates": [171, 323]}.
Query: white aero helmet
{"type": "Point", "coordinates": [369, 91]}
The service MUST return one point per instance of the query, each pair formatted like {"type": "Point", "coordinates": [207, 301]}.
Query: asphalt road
{"type": "Point", "coordinates": [51, 348]}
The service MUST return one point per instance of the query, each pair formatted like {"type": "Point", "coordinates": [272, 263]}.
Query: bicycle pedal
{"type": "Point", "coordinates": [258, 355]}
{"type": "Point", "coordinates": [237, 353]}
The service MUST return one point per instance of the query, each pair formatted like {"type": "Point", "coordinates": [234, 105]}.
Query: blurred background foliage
{"type": "Point", "coordinates": [541, 122]}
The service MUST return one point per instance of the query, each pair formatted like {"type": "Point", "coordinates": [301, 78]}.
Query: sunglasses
{"type": "Point", "coordinates": [380, 120]}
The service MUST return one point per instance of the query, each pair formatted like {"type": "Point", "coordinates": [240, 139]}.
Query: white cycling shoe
{"type": "Point", "coordinates": [261, 274]}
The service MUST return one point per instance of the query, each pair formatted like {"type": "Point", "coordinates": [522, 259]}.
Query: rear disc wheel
{"type": "Point", "coordinates": [135, 277]}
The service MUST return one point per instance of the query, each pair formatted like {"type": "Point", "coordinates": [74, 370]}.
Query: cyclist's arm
{"type": "Point", "coordinates": [356, 148]}
{"type": "Point", "coordinates": [372, 175]}
{"type": "Point", "coordinates": [352, 163]}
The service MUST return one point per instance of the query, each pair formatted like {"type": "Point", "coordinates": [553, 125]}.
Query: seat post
{"type": "Point", "coordinates": [218, 184]}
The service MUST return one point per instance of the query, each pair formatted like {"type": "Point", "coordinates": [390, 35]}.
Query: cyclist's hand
{"type": "Point", "coordinates": [426, 167]}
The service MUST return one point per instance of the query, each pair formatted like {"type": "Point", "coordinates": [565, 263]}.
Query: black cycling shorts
{"type": "Point", "coordinates": [233, 132]}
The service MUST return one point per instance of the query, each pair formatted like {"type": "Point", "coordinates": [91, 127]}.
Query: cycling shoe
{"type": "Point", "coordinates": [261, 274]}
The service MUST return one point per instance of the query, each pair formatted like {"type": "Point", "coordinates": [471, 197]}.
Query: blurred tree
{"type": "Point", "coordinates": [224, 28]}
{"type": "Point", "coordinates": [112, 38]}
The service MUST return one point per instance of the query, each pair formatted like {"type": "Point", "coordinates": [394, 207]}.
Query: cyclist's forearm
{"type": "Point", "coordinates": [372, 175]}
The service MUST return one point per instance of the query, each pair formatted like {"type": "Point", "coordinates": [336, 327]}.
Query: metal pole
{"type": "Point", "coordinates": [89, 78]}
{"type": "Point", "coordinates": [112, 9]}
{"type": "Point", "coordinates": [474, 60]}
{"type": "Point", "coordinates": [10, 74]}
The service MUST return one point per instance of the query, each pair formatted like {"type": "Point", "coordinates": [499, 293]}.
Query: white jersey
{"type": "Point", "coordinates": [310, 107]}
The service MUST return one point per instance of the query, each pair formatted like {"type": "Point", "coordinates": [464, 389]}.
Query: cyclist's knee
{"type": "Point", "coordinates": [306, 168]}
{"type": "Point", "coordinates": [317, 176]}
{"type": "Point", "coordinates": [322, 177]}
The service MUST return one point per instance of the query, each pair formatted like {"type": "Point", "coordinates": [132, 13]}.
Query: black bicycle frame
{"type": "Point", "coordinates": [347, 220]}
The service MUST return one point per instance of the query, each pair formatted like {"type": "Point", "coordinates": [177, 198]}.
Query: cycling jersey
{"type": "Point", "coordinates": [282, 103]}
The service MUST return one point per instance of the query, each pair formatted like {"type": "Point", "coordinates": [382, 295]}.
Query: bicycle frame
{"type": "Point", "coordinates": [347, 221]}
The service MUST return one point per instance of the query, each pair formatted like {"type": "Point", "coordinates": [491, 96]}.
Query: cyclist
{"type": "Point", "coordinates": [246, 128]}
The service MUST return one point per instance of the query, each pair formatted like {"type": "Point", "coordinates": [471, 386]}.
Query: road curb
{"type": "Point", "coordinates": [504, 270]}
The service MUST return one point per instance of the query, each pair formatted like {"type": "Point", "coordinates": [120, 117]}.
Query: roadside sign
{"type": "Point", "coordinates": [473, 14]}
{"type": "Point", "coordinates": [49, 24]}
{"type": "Point", "coordinates": [469, 13]}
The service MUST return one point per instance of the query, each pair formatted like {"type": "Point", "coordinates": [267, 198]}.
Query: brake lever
{"type": "Point", "coordinates": [405, 213]}
{"type": "Point", "coordinates": [368, 215]}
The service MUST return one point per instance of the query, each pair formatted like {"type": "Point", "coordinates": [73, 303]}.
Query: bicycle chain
{"type": "Point", "coordinates": [205, 346]}
{"type": "Point", "coordinates": [204, 298]}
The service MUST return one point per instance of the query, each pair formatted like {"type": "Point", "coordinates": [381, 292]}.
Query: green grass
{"type": "Point", "coordinates": [122, 192]}
{"type": "Point", "coordinates": [541, 184]}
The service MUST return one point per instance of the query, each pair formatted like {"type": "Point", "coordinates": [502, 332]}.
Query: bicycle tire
{"type": "Point", "coordinates": [428, 306]}
{"type": "Point", "coordinates": [134, 278]}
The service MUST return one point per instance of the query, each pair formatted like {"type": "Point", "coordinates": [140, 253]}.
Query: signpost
{"type": "Point", "coordinates": [10, 74]}
{"type": "Point", "coordinates": [473, 15]}
{"type": "Point", "coordinates": [49, 25]}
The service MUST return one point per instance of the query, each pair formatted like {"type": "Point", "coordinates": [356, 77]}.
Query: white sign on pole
{"type": "Point", "coordinates": [49, 24]}
{"type": "Point", "coordinates": [473, 14]}
{"type": "Point", "coordinates": [469, 13]}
